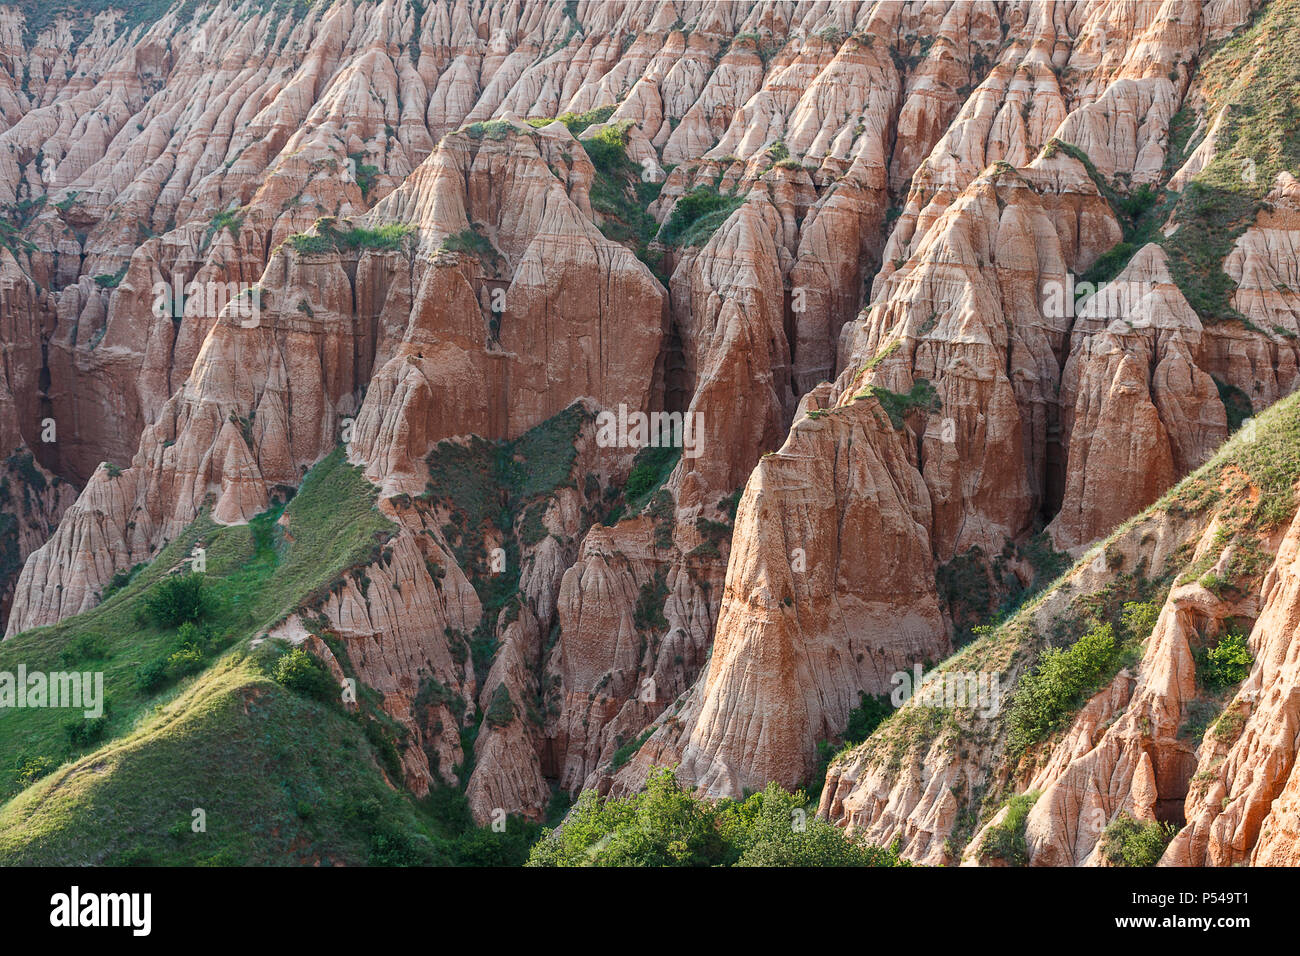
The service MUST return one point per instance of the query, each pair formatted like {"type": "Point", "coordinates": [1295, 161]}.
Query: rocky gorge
{"type": "Point", "coordinates": [974, 324]}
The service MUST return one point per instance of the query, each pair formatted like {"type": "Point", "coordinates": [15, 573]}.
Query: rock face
{"type": "Point", "coordinates": [1241, 808]}
{"type": "Point", "coordinates": [1137, 409]}
{"type": "Point", "coordinates": [838, 242]}
{"type": "Point", "coordinates": [827, 539]}
{"type": "Point", "coordinates": [1153, 743]}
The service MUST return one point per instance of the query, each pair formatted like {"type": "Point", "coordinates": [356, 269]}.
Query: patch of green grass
{"type": "Point", "coordinates": [650, 469]}
{"type": "Point", "coordinates": [1251, 77]}
{"type": "Point", "coordinates": [1126, 842]}
{"type": "Point", "coordinates": [496, 130]}
{"type": "Point", "coordinates": [279, 778]}
{"type": "Point", "coordinates": [472, 242]}
{"type": "Point", "coordinates": [231, 219]}
{"type": "Point", "coordinates": [625, 753]}
{"type": "Point", "coordinates": [1265, 457]}
{"type": "Point", "coordinates": [577, 122]}
{"type": "Point", "coordinates": [697, 215]}
{"type": "Point", "coordinates": [255, 738]}
{"type": "Point", "coordinates": [1006, 840]}
{"type": "Point", "coordinates": [255, 577]}
{"type": "Point", "coordinates": [389, 237]}
{"type": "Point", "coordinates": [621, 198]}
{"type": "Point", "coordinates": [898, 405]}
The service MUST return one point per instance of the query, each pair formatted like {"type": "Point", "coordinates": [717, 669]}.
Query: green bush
{"type": "Point", "coordinates": [179, 599]}
{"type": "Point", "coordinates": [151, 676]}
{"type": "Point", "coordinates": [1138, 619]}
{"type": "Point", "coordinates": [188, 660]}
{"type": "Point", "coordinates": [1226, 664]}
{"type": "Point", "coordinates": [774, 828]}
{"type": "Point", "coordinates": [1063, 679]}
{"type": "Point", "coordinates": [1126, 842]}
{"type": "Point", "coordinates": [1006, 840]}
{"type": "Point", "coordinates": [501, 709]}
{"type": "Point", "coordinates": [84, 647]}
{"type": "Point", "coordinates": [667, 825]}
{"type": "Point", "coordinates": [300, 672]}
{"type": "Point", "coordinates": [83, 732]}
{"type": "Point", "coordinates": [697, 215]}
{"type": "Point", "coordinates": [32, 767]}
{"type": "Point", "coordinates": [607, 150]}
{"type": "Point", "coordinates": [188, 652]}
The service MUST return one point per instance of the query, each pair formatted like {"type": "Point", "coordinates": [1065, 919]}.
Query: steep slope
{"type": "Point", "coordinates": [1147, 736]}
{"type": "Point", "coordinates": [840, 240]}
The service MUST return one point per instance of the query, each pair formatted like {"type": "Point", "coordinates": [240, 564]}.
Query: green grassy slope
{"type": "Point", "coordinates": [283, 774]}
{"type": "Point", "coordinates": [256, 575]}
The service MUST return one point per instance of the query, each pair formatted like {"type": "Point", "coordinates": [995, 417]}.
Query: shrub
{"type": "Point", "coordinates": [898, 405]}
{"type": "Point", "coordinates": [151, 676]}
{"type": "Point", "coordinates": [668, 826]}
{"type": "Point", "coordinates": [1226, 664]}
{"type": "Point", "coordinates": [120, 579]}
{"type": "Point", "coordinates": [773, 828]}
{"type": "Point", "coordinates": [32, 767]}
{"type": "Point", "coordinates": [188, 660]}
{"type": "Point", "coordinates": [1006, 840]}
{"type": "Point", "coordinates": [697, 215]}
{"type": "Point", "coordinates": [664, 826]}
{"type": "Point", "coordinates": [1059, 684]}
{"type": "Point", "coordinates": [179, 599]}
{"type": "Point", "coordinates": [84, 732]}
{"type": "Point", "coordinates": [624, 753]}
{"type": "Point", "coordinates": [1126, 842]}
{"type": "Point", "coordinates": [83, 647]}
{"type": "Point", "coordinates": [501, 709]}
{"type": "Point", "coordinates": [300, 672]}
{"type": "Point", "coordinates": [1139, 620]}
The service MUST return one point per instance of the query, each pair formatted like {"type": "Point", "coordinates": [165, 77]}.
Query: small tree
{"type": "Point", "coordinates": [302, 673]}
{"type": "Point", "coordinates": [180, 599]}
{"type": "Point", "coordinates": [1226, 664]}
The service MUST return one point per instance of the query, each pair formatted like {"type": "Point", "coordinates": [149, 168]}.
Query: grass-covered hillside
{"type": "Point", "coordinates": [198, 719]}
